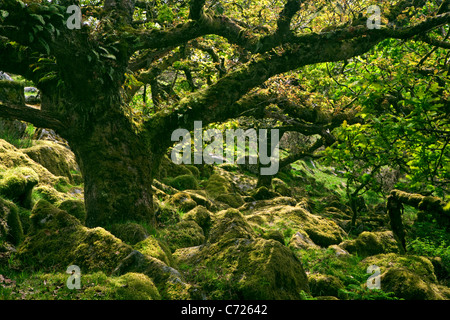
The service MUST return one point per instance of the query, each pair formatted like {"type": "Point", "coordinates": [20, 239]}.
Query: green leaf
{"type": "Point", "coordinates": [39, 18]}
{"type": "Point", "coordinates": [45, 45]}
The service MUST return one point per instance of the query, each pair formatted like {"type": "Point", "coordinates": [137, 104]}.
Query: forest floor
{"type": "Point", "coordinates": [217, 237]}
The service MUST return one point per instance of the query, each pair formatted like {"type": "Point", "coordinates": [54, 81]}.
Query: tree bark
{"type": "Point", "coordinates": [117, 166]}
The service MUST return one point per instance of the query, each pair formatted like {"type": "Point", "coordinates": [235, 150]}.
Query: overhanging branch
{"type": "Point", "coordinates": [30, 114]}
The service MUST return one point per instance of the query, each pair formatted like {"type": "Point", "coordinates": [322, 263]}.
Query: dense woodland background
{"type": "Point", "coordinates": [86, 117]}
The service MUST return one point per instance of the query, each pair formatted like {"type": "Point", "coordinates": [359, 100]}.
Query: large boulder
{"type": "Point", "coordinates": [184, 234]}
{"type": "Point", "coordinates": [169, 281]}
{"type": "Point", "coordinates": [321, 231]}
{"type": "Point", "coordinates": [202, 216]}
{"type": "Point", "coordinates": [324, 285]}
{"type": "Point", "coordinates": [245, 269]}
{"type": "Point", "coordinates": [183, 182]}
{"type": "Point", "coordinates": [10, 225]}
{"type": "Point", "coordinates": [57, 240]}
{"type": "Point", "coordinates": [11, 157]}
{"type": "Point", "coordinates": [56, 158]}
{"type": "Point", "coordinates": [409, 277]}
{"type": "Point", "coordinates": [371, 243]}
{"type": "Point", "coordinates": [17, 184]}
{"type": "Point", "coordinates": [129, 232]}
{"type": "Point", "coordinates": [155, 248]}
{"type": "Point", "coordinates": [230, 224]}
{"type": "Point", "coordinates": [221, 189]}
{"type": "Point", "coordinates": [235, 264]}
{"type": "Point", "coordinates": [182, 201]}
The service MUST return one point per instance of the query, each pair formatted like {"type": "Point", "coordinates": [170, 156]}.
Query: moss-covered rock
{"type": "Point", "coordinates": [217, 185]}
{"type": "Point", "coordinates": [193, 169]}
{"type": "Point", "coordinates": [274, 235]}
{"type": "Point", "coordinates": [183, 182]}
{"type": "Point", "coordinates": [75, 208]}
{"type": "Point", "coordinates": [231, 199]}
{"type": "Point", "coordinates": [281, 187]}
{"type": "Point", "coordinates": [201, 198]}
{"type": "Point", "coordinates": [408, 285]}
{"type": "Point", "coordinates": [338, 251]}
{"type": "Point", "coordinates": [170, 283]}
{"type": "Point", "coordinates": [57, 240]}
{"type": "Point", "coordinates": [169, 169]}
{"type": "Point", "coordinates": [11, 157]}
{"type": "Point", "coordinates": [301, 240]}
{"type": "Point", "coordinates": [56, 158]}
{"type": "Point", "coordinates": [10, 225]}
{"type": "Point", "coordinates": [186, 233]}
{"type": "Point", "coordinates": [321, 231]}
{"type": "Point", "coordinates": [230, 224]}
{"type": "Point", "coordinates": [201, 216]}
{"type": "Point", "coordinates": [324, 285]}
{"type": "Point", "coordinates": [371, 243]}
{"type": "Point", "coordinates": [262, 193]}
{"type": "Point", "coordinates": [245, 269]}
{"type": "Point", "coordinates": [130, 286]}
{"type": "Point", "coordinates": [17, 184]}
{"type": "Point", "coordinates": [417, 264]}
{"type": "Point", "coordinates": [129, 232]}
{"type": "Point", "coordinates": [50, 194]}
{"type": "Point", "coordinates": [154, 248]}
{"type": "Point", "coordinates": [408, 276]}
{"type": "Point", "coordinates": [182, 201]}
{"type": "Point", "coordinates": [253, 205]}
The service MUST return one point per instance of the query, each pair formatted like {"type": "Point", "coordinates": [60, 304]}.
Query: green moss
{"type": "Point", "coordinates": [49, 194]}
{"type": "Point", "coordinates": [182, 201]}
{"type": "Point", "coordinates": [408, 285]}
{"type": "Point", "coordinates": [201, 216]}
{"type": "Point", "coordinates": [10, 225]}
{"type": "Point", "coordinates": [11, 157]}
{"type": "Point", "coordinates": [166, 214]}
{"type": "Point", "coordinates": [301, 240]}
{"type": "Point", "coordinates": [183, 182]}
{"type": "Point", "coordinates": [371, 243]}
{"type": "Point", "coordinates": [324, 285]}
{"type": "Point", "coordinates": [321, 231]}
{"type": "Point", "coordinates": [193, 169]}
{"type": "Point", "coordinates": [274, 235]}
{"type": "Point", "coordinates": [169, 281]}
{"type": "Point", "coordinates": [157, 249]}
{"type": "Point", "coordinates": [75, 208]}
{"type": "Point", "coordinates": [57, 239]}
{"type": "Point", "coordinates": [417, 264]}
{"type": "Point", "coordinates": [183, 234]}
{"type": "Point", "coordinates": [17, 184]}
{"type": "Point", "coordinates": [281, 187]}
{"type": "Point", "coordinates": [129, 232]}
{"type": "Point", "coordinates": [169, 169]}
{"type": "Point", "coordinates": [230, 224]}
{"type": "Point", "coordinates": [132, 286]}
{"type": "Point", "coordinates": [218, 185]}
{"type": "Point", "coordinates": [94, 286]}
{"type": "Point", "coordinates": [12, 92]}
{"type": "Point", "coordinates": [231, 199]}
{"type": "Point", "coordinates": [262, 193]}
{"type": "Point", "coordinates": [58, 159]}
{"type": "Point", "coordinates": [245, 269]}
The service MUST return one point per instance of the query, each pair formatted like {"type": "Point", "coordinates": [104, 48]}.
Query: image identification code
{"type": "Point", "coordinates": [231, 309]}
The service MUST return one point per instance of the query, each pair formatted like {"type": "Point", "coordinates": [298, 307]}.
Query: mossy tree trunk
{"type": "Point", "coordinates": [117, 166]}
